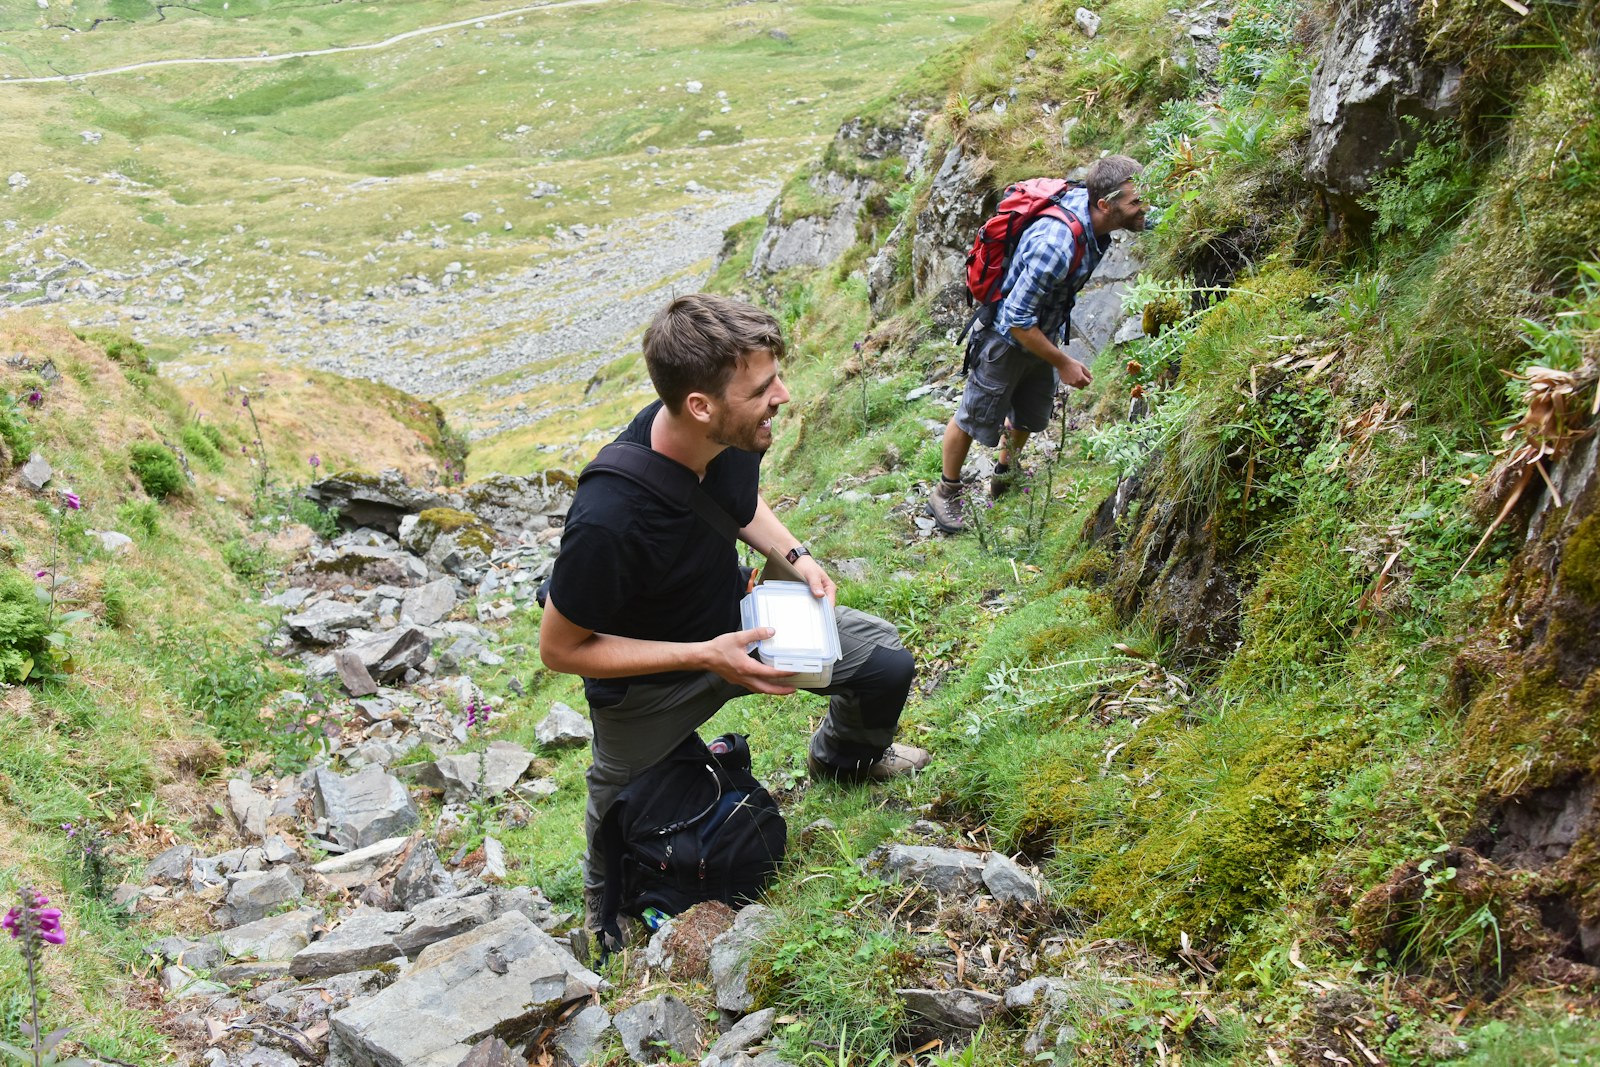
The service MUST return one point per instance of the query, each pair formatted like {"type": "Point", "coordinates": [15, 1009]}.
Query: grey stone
{"type": "Point", "coordinates": [235, 973]}
{"type": "Point", "coordinates": [353, 674]}
{"type": "Point", "coordinates": [290, 598]}
{"type": "Point", "coordinates": [252, 895]}
{"type": "Point", "coordinates": [494, 859]}
{"type": "Point", "coordinates": [951, 1009]}
{"type": "Point", "coordinates": [652, 1028]}
{"type": "Point", "coordinates": [1087, 21]}
{"type": "Point", "coordinates": [564, 728]}
{"type": "Point", "coordinates": [428, 604]}
{"type": "Point", "coordinates": [730, 958]}
{"type": "Point", "coordinates": [1372, 95]}
{"type": "Point", "coordinates": [170, 867]}
{"type": "Point", "coordinates": [506, 976]}
{"type": "Point", "coordinates": [811, 241]}
{"type": "Point", "coordinates": [112, 541]}
{"type": "Point", "coordinates": [324, 621]}
{"type": "Point", "coordinates": [512, 504]}
{"type": "Point", "coordinates": [389, 655]}
{"type": "Point", "coordinates": [579, 1042]}
{"type": "Point", "coordinates": [363, 862]}
{"type": "Point", "coordinates": [1008, 882]}
{"type": "Point", "coordinates": [943, 870]}
{"type": "Point", "coordinates": [492, 1052]}
{"type": "Point", "coordinates": [249, 808]}
{"type": "Point", "coordinates": [422, 877]}
{"type": "Point", "coordinates": [744, 1033]}
{"type": "Point", "coordinates": [459, 653]}
{"type": "Point", "coordinates": [364, 808]}
{"type": "Point", "coordinates": [276, 850]}
{"type": "Point", "coordinates": [1097, 314]}
{"type": "Point", "coordinates": [364, 939]}
{"type": "Point", "coordinates": [1023, 996]}
{"type": "Point", "coordinates": [442, 918]}
{"type": "Point", "coordinates": [196, 955]}
{"type": "Point", "coordinates": [376, 502]}
{"type": "Point", "coordinates": [261, 1056]}
{"type": "Point", "coordinates": [275, 938]}
{"type": "Point", "coordinates": [489, 773]}
{"type": "Point", "coordinates": [180, 983]}
{"type": "Point", "coordinates": [36, 473]}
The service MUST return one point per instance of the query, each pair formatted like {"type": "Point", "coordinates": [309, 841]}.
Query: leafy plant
{"type": "Point", "coordinates": [24, 622]}
{"type": "Point", "coordinates": [14, 430]}
{"type": "Point", "coordinates": [200, 445]}
{"type": "Point", "coordinates": [1429, 190]}
{"type": "Point", "coordinates": [156, 468]}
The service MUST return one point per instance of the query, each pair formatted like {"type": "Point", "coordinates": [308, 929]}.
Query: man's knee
{"type": "Point", "coordinates": [882, 685]}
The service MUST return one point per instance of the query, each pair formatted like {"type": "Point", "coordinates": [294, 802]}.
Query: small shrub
{"type": "Point", "coordinates": [24, 622]}
{"type": "Point", "coordinates": [200, 446]}
{"type": "Point", "coordinates": [249, 563]}
{"type": "Point", "coordinates": [157, 469]}
{"type": "Point", "coordinates": [140, 516]}
{"type": "Point", "coordinates": [14, 431]}
{"type": "Point", "coordinates": [324, 521]}
{"type": "Point", "coordinates": [121, 348]}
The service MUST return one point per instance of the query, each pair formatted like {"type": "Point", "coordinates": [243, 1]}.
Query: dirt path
{"type": "Point", "coordinates": [279, 56]}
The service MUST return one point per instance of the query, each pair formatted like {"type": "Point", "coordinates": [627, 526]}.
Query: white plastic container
{"type": "Point", "coordinates": [806, 637]}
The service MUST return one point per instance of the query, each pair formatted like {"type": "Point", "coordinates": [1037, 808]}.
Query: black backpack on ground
{"type": "Point", "coordinates": [696, 826]}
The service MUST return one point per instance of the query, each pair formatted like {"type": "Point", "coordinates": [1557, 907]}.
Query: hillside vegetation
{"type": "Point", "coordinates": [1286, 686]}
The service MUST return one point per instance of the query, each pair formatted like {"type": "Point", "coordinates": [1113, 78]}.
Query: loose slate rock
{"type": "Point", "coordinates": [422, 877]}
{"type": "Point", "coordinates": [457, 993]}
{"type": "Point", "coordinates": [364, 939]}
{"type": "Point", "coordinates": [578, 1042]}
{"type": "Point", "coordinates": [249, 808]}
{"type": "Point", "coordinates": [277, 937]}
{"type": "Point", "coordinates": [944, 870]}
{"type": "Point", "coordinates": [428, 604]}
{"type": "Point", "coordinates": [1008, 882]}
{"type": "Point", "coordinates": [324, 621]}
{"type": "Point", "coordinates": [492, 1052]}
{"type": "Point", "coordinates": [252, 895]}
{"type": "Point", "coordinates": [468, 775]}
{"type": "Point", "coordinates": [171, 867]}
{"type": "Point", "coordinates": [364, 808]}
{"type": "Point", "coordinates": [744, 1033]}
{"type": "Point", "coordinates": [951, 1009]}
{"type": "Point", "coordinates": [730, 958]}
{"type": "Point", "coordinates": [564, 728]}
{"type": "Point", "coordinates": [656, 1026]}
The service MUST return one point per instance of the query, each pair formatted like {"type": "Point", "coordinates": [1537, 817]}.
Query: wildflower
{"type": "Point", "coordinates": [472, 715]}
{"type": "Point", "coordinates": [315, 461]}
{"type": "Point", "coordinates": [35, 398]}
{"type": "Point", "coordinates": [70, 830]}
{"type": "Point", "coordinates": [34, 918]}
{"type": "Point", "coordinates": [245, 402]}
{"type": "Point", "coordinates": [40, 574]}
{"type": "Point", "coordinates": [71, 500]}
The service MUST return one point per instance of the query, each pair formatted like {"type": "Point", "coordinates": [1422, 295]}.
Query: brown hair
{"type": "Point", "coordinates": [1107, 174]}
{"type": "Point", "coordinates": [695, 343]}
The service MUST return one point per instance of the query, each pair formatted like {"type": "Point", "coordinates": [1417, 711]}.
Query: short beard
{"type": "Point", "coordinates": [720, 433]}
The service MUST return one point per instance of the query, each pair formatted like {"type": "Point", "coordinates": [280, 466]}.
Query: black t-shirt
{"type": "Point", "coordinates": [634, 565]}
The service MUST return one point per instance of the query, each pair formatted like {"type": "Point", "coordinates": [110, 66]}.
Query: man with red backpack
{"type": "Point", "coordinates": [1042, 247]}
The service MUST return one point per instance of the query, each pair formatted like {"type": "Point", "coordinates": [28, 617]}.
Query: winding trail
{"type": "Point", "coordinates": [280, 56]}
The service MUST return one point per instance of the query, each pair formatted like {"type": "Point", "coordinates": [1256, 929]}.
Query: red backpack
{"type": "Point", "coordinates": [997, 239]}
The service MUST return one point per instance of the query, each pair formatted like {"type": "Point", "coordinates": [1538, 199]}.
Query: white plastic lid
{"type": "Point", "coordinates": [805, 638]}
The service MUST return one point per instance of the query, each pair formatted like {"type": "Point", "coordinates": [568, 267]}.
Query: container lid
{"type": "Point", "coordinates": [805, 630]}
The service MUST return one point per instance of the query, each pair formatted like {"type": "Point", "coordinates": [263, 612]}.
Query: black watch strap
{"type": "Point", "coordinates": [794, 554]}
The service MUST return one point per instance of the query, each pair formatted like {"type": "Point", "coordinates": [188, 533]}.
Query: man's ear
{"type": "Point", "coordinates": [700, 407]}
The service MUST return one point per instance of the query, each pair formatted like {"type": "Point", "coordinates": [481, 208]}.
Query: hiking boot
{"type": "Point", "coordinates": [1001, 482]}
{"type": "Point", "coordinates": [897, 761]}
{"type": "Point", "coordinates": [633, 931]}
{"type": "Point", "coordinates": [944, 504]}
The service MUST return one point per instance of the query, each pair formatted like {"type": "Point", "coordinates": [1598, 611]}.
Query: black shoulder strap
{"type": "Point", "coordinates": [673, 482]}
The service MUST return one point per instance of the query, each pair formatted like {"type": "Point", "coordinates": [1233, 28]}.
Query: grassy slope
{"type": "Point", "coordinates": [123, 744]}
{"type": "Point", "coordinates": [1221, 820]}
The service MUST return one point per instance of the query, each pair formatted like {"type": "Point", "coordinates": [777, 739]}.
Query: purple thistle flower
{"type": "Point", "coordinates": [35, 398]}
{"type": "Point", "coordinates": [70, 830]}
{"type": "Point", "coordinates": [315, 461]}
{"type": "Point", "coordinates": [245, 402]}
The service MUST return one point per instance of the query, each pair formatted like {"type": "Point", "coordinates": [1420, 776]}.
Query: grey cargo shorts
{"type": "Point", "coordinates": [1006, 380]}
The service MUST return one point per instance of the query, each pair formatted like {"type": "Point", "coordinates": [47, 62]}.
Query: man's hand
{"type": "Point", "coordinates": [1073, 373]}
{"type": "Point", "coordinates": [729, 659]}
{"type": "Point", "coordinates": [817, 578]}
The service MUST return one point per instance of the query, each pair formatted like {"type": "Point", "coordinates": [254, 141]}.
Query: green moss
{"type": "Point", "coordinates": [469, 530]}
{"type": "Point", "coordinates": [1580, 561]}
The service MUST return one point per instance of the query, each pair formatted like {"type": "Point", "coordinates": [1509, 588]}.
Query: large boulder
{"type": "Point", "coordinates": [730, 958]}
{"type": "Point", "coordinates": [379, 502]}
{"type": "Point", "coordinates": [1372, 95]}
{"type": "Point", "coordinates": [958, 202]}
{"type": "Point", "coordinates": [811, 240]}
{"type": "Point", "coordinates": [506, 978]}
{"type": "Point", "coordinates": [512, 504]}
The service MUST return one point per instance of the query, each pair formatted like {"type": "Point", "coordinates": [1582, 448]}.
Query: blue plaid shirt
{"type": "Point", "coordinates": [1039, 290]}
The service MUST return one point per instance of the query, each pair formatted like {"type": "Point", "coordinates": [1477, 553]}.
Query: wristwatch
{"type": "Point", "coordinates": [794, 554]}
